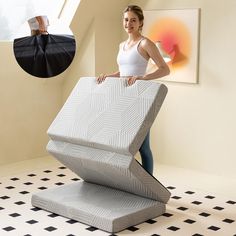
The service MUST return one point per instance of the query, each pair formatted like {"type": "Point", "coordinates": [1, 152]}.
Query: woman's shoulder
{"type": "Point", "coordinates": [147, 44]}
{"type": "Point", "coordinates": [146, 41]}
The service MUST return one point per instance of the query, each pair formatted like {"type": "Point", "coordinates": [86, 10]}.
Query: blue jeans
{"type": "Point", "coordinates": [146, 155]}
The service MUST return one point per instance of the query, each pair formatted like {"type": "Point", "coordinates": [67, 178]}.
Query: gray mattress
{"type": "Point", "coordinates": [106, 208]}
{"type": "Point", "coordinates": [110, 116]}
{"type": "Point", "coordinates": [96, 134]}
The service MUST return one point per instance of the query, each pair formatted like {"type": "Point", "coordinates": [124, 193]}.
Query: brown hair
{"type": "Point", "coordinates": [138, 11]}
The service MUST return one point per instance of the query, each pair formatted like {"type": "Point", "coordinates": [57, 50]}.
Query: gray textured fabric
{"type": "Point", "coordinates": [105, 208]}
{"type": "Point", "coordinates": [110, 169]}
{"type": "Point", "coordinates": [110, 116]}
{"type": "Point", "coordinates": [96, 135]}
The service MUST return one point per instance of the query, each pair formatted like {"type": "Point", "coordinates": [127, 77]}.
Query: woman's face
{"type": "Point", "coordinates": [131, 22]}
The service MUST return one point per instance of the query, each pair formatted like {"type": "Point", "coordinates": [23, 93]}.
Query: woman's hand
{"type": "Point", "coordinates": [42, 25]}
{"type": "Point", "coordinates": [101, 78]}
{"type": "Point", "coordinates": [131, 80]}
{"type": "Point", "coordinates": [42, 28]}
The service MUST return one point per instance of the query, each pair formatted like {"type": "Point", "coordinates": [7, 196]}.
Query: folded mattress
{"type": "Point", "coordinates": [96, 135]}
{"type": "Point", "coordinates": [109, 116]}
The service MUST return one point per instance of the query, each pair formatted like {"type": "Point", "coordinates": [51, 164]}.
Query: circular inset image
{"type": "Point", "coordinates": [43, 54]}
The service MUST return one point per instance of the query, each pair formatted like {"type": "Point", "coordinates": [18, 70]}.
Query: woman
{"type": "Point", "coordinates": [132, 60]}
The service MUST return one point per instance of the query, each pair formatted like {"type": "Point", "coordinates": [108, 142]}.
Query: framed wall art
{"type": "Point", "coordinates": [176, 33]}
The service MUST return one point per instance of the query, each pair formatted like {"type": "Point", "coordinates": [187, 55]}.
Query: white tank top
{"type": "Point", "coordinates": [130, 61]}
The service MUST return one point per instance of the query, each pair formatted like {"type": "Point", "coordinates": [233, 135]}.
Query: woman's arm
{"type": "Point", "coordinates": [115, 74]}
{"type": "Point", "coordinates": [154, 54]}
{"type": "Point", "coordinates": [149, 50]}
{"type": "Point", "coordinates": [102, 77]}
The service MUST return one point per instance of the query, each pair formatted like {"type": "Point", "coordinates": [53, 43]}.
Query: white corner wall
{"type": "Point", "coordinates": [83, 63]}
{"type": "Point", "coordinates": [27, 106]}
{"type": "Point", "coordinates": [97, 28]}
{"type": "Point", "coordinates": [196, 126]}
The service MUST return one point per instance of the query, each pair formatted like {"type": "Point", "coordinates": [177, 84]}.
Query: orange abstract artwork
{"type": "Point", "coordinates": [177, 32]}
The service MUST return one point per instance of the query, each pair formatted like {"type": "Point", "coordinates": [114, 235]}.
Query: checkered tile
{"type": "Point", "coordinates": [189, 212]}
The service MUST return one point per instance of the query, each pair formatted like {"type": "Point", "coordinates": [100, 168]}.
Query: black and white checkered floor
{"type": "Point", "coordinates": [189, 212]}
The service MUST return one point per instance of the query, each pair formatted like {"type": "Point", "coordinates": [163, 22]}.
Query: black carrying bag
{"type": "Point", "coordinates": [45, 55]}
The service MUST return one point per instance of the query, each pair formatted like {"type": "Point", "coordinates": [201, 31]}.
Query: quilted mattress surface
{"type": "Point", "coordinates": [105, 208]}
{"type": "Point", "coordinates": [96, 135]}
{"type": "Point", "coordinates": [110, 116]}
{"type": "Point", "coordinates": [109, 169]}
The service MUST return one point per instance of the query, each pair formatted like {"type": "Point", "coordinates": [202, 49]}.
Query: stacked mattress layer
{"type": "Point", "coordinates": [96, 134]}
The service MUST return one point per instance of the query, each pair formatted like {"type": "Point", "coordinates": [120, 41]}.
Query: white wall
{"type": "Point", "coordinates": [97, 28]}
{"type": "Point", "coordinates": [27, 104]}
{"type": "Point", "coordinates": [196, 126]}
{"type": "Point", "coordinates": [83, 63]}
{"type": "Point", "coordinates": [27, 107]}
